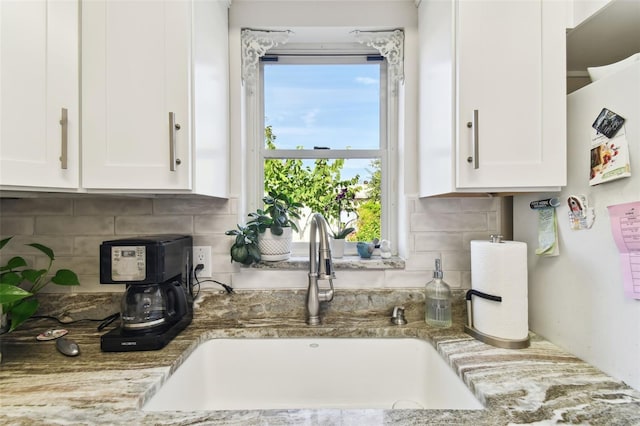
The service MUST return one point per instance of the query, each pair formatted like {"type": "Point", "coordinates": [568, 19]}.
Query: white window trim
{"type": "Point", "coordinates": [390, 44]}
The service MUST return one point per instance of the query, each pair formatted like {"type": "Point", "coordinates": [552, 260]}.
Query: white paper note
{"type": "Point", "coordinates": [547, 233]}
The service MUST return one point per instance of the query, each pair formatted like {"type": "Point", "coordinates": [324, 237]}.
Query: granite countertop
{"type": "Point", "coordinates": [542, 383]}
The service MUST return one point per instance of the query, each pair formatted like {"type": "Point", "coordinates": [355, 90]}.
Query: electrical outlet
{"type": "Point", "coordinates": [202, 254]}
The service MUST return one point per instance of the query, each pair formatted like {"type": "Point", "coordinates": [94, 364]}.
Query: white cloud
{"type": "Point", "coordinates": [309, 118]}
{"type": "Point", "coordinates": [366, 80]}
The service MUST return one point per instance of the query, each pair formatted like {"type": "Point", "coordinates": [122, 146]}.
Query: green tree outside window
{"type": "Point", "coordinates": [319, 188]}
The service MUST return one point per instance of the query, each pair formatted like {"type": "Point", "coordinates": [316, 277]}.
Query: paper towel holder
{"type": "Point", "coordinates": [485, 338]}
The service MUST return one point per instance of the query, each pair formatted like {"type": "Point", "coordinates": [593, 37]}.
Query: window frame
{"type": "Point", "coordinates": [257, 152]}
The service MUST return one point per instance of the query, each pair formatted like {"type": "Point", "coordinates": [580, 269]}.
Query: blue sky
{"type": "Point", "coordinates": [334, 106]}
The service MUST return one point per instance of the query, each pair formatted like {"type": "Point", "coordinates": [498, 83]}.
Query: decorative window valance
{"type": "Point", "coordinates": [255, 44]}
{"type": "Point", "coordinates": [390, 44]}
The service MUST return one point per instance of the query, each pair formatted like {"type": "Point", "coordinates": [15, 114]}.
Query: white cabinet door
{"type": "Point", "coordinates": [501, 53]}
{"type": "Point", "coordinates": [492, 96]}
{"type": "Point", "coordinates": [210, 98]}
{"type": "Point", "coordinates": [135, 75]}
{"type": "Point", "coordinates": [38, 80]}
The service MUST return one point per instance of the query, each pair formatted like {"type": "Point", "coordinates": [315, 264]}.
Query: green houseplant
{"type": "Point", "coordinates": [245, 248]}
{"type": "Point", "coordinates": [253, 243]}
{"type": "Point", "coordinates": [277, 214]}
{"type": "Point", "coordinates": [18, 303]}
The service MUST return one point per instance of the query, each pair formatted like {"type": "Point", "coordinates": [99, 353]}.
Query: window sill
{"type": "Point", "coordinates": [344, 263]}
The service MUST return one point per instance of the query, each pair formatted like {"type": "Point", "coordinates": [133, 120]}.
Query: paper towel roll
{"type": "Point", "coordinates": [500, 269]}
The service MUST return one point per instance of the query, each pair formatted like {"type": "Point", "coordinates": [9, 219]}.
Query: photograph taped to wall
{"type": "Point", "coordinates": [609, 158]}
{"type": "Point", "coordinates": [608, 123]}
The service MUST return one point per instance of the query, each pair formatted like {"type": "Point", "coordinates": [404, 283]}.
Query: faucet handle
{"type": "Point", "coordinates": [397, 317]}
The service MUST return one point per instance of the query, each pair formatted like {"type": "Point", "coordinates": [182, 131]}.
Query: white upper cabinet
{"type": "Point", "coordinates": [155, 96]}
{"type": "Point", "coordinates": [39, 96]}
{"type": "Point", "coordinates": [492, 96]}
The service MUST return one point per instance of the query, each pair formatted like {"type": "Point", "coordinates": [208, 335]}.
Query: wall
{"type": "Point", "coordinates": [583, 9]}
{"type": "Point", "coordinates": [576, 299]}
{"type": "Point", "coordinates": [74, 227]}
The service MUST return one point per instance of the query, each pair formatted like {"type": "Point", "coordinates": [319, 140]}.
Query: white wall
{"type": "Point", "coordinates": [576, 300]}
{"type": "Point", "coordinates": [582, 9]}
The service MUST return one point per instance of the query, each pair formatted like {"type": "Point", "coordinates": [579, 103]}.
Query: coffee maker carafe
{"type": "Point", "coordinates": [158, 299]}
{"type": "Point", "coordinates": [148, 306]}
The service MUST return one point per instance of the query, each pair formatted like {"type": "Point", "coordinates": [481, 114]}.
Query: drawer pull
{"type": "Point", "coordinates": [173, 129]}
{"type": "Point", "coordinates": [474, 158]}
{"type": "Point", "coordinates": [64, 135]}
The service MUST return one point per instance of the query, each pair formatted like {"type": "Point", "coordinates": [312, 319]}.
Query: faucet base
{"type": "Point", "coordinates": [313, 321]}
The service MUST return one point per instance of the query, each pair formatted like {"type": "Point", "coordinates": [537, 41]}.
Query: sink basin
{"type": "Point", "coordinates": [297, 373]}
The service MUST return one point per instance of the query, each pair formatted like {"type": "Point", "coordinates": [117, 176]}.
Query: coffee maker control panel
{"type": "Point", "coordinates": [150, 259]}
{"type": "Point", "coordinates": [128, 263]}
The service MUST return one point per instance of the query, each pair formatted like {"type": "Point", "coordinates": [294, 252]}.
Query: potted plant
{"type": "Point", "coordinates": [269, 229]}
{"type": "Point", "coordinates": [277, 214]}
{"type": "Point", "coordinates": [245, 249]}
{"type": "Point", "coordinates": [338, 215]}
{"type": "Point", "coordinates": [18, 304]}
{"type": "Point", "coordinates": [275, 225]}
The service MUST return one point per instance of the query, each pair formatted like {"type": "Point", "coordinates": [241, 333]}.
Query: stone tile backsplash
{"type": "Point", "coordinates": [75, 226]}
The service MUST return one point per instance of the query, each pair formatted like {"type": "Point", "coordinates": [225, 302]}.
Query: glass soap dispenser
{"type": "Point", "coordinates": [438, 300]}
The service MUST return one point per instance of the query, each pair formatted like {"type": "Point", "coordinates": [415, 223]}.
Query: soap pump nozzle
{"type": "Point", "coordinates": [437, 273]}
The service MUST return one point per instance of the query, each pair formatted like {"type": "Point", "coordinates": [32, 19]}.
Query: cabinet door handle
{"type": "Point", "coordinates": [173, 129]}
{"type": "Point", "coordinates": [64, 129]}
{"type": "Point", "coordinates": [475, 140]}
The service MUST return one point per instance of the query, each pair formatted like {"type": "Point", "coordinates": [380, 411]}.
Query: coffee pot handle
{"type": "Point", "coordinates": [177, 300]}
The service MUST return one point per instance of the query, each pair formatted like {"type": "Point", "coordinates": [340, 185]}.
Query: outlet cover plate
{"type": "Point", "coordinates": [202, 254]}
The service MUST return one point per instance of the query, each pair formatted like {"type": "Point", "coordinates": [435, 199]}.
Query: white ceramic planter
{"type": "Point", "coordinates": [275, 247]}
{"type": "Point", "coordinates": [337, 248]}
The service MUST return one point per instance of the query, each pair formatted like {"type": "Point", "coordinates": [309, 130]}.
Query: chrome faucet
{"type": "Point", "coordinates": [320, 267]}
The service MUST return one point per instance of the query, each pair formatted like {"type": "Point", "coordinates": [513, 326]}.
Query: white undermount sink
{"type": "Point", "coordinates": [296, 373]}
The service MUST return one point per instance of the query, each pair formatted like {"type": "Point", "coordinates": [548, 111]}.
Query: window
{"type": "Point", "coordinates": [325, 140]}
{"type": "Point", "coordinates": [357, 137]}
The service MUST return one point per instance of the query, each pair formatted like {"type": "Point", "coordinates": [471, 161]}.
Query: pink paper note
{"type": "Point", "coordinates": [625, 226]}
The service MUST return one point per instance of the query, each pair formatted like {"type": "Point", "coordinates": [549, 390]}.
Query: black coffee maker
{"type": "Point", "coordinates": [158, 300]}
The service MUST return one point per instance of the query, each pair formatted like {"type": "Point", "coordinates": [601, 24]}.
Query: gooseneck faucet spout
{"type": "Point", "coordinates": [320, 267]}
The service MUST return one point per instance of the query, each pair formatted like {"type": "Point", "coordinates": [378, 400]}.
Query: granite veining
{"type": "Point", "coordinates": [538, 385]}
{"type": "Point", "coordinates": [346, 262]}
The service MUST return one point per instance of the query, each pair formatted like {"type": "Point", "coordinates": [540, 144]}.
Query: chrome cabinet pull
{"type": "Point", "coordinates": [476, 140]}
{"type": "Point", "coordinates": [173, 128]}
{"type": "Point", "coordinates": [64, 125]}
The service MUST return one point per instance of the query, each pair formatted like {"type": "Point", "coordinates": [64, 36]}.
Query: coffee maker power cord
{"type": "Point", "coordinates": [199, 267]}
{"type": "Point", "coordinates": [104, 322]}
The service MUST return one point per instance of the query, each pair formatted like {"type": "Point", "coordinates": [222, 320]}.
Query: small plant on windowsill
{"type": "Point", "coordinates": [19, 304]}
{"type": "Point", "coordinates": [343, 207]}
{"type": "Point", "coordinates": [254, 244]}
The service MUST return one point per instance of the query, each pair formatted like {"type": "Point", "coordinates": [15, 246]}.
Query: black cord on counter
{"type": "Point", "coordinates": [108, 320]}
{"type": "Point", "coordinates": [199, 267]}
{"type": "Point", "coordinates": [103, 321]}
